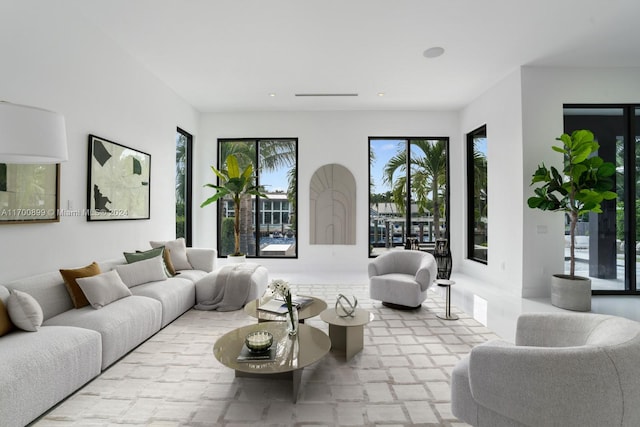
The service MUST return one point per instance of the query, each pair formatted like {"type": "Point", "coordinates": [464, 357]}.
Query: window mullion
{"type": "Point", "coordinates": [630, 200]}
{"type": "Point", "coordinates": [407, 233]}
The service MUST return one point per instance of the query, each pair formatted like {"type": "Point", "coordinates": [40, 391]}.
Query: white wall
{"type": "Point", "coordinates": [323, 137]}
{"type": "Point", "coordinates": [500, 109]}
{"type": "Point", "coordinates": [544, 91]}
{"type": "Point", "coordinates": [54, 62]}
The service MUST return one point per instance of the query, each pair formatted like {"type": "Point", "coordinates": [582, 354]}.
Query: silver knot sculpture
{"type": "Point", "coordinates": [344, 307]}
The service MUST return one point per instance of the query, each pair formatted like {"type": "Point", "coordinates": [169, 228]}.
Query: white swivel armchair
{"type": "Point", "coordinates": [573, 369]}
{"type": "Point", "coordinates": [400, 278]}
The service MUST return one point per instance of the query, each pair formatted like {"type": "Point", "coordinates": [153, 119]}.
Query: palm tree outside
{"type": "Point", "coordinates": [265, 155]}
{"type": "Point", "coordinates": [417, 177]}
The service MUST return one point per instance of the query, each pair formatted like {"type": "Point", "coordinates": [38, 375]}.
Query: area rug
{"type": "Point", "coordinates": [401, 377]}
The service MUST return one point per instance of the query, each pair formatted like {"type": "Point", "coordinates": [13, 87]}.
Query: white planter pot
{"type": "Point", "coordinates": [236, 259]}
{"type": "Point", "coordinates": [571, 294]}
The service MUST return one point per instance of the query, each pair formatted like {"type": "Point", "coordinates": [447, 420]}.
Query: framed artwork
{"type": "Point", "coordinates": [29, 193]}
{"type": "Point", "coordinates": [119, 181]}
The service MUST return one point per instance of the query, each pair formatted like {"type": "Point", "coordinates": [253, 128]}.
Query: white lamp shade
{"type": "Point", "coordinates": [31, 135]}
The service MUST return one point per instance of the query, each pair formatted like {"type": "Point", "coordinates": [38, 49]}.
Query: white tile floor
{"type": "Point", "coordinates": [400, 378]}
{"type": "Point", "coordinates": [499, 311]}
{"type": "Point", "coordinates": [492, 307]}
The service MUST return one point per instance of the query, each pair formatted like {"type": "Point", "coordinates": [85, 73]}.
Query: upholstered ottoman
{"type": "Point", "coordinates": [230, 287]}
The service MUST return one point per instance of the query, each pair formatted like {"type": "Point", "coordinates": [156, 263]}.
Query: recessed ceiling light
{"type": "Point", "coordinates": [433, 52]}
{"type": "Point", "coordinates": [380, 93]}
{"type": "Point", "coordinates": [272, 94]}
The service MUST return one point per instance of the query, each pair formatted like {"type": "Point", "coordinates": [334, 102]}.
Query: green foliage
{"type": "Point", "coordinates": [180, 227]}
{"type": "Point", "coordinates": [585, 182]}
{"type": "Point", "coordinates": [620, 221]}
{"type": "Point", "coordinates": [235, 183]}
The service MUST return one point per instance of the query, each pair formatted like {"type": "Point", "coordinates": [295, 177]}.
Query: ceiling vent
{"type": "Point", "coordinates": [326, 94]}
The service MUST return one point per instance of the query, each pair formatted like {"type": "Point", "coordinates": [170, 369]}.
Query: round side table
{"type": "Point", "coordinates": [444, 283]}
{"type": "Point", "coordinates": [347, 333]}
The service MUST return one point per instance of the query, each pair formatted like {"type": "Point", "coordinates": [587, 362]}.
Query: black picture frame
{"type": "Point", "coordinates": [119, 182]}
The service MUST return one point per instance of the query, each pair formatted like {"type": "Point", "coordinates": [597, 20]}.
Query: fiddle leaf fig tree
{"type": "Point", "coordinates": [237, 184]}
{"type": "Point", "coordinates": [584, 183]}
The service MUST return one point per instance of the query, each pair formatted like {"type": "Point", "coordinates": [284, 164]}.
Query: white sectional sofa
{"type": "Point", "coordinates": [73, 345]}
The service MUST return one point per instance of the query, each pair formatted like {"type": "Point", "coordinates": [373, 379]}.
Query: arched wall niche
{"type": "Point", "coordinates": [332, 206]}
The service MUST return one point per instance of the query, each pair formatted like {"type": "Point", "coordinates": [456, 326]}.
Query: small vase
{"type": "Point", "coordinates": [292, 321]}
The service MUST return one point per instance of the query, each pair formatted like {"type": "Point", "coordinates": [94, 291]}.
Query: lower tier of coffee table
{"type": "Point", "coordinates": [294, 376]}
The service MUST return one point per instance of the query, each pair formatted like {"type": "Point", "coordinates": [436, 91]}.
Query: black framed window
{"type": "Point", "coordinates": [607, 243]}
{"type": "Point", "coordinates": [267, 229]}
{"type": "Point", "coordinates": [408, 192]}
{"type": "Point", "coordinates": [477, 196]}
{"type": "Point", "coordinates": [184, 162]}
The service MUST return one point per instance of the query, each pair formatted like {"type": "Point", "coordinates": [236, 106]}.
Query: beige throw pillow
{"type": "Point", "coordinates": [177, 251]}
{"type": "Point", "coordinates": [145, 271]}
{"type": "Point", "coordinates": [24, 311]}
{"type": "Point", "coordinates": [103, 289]}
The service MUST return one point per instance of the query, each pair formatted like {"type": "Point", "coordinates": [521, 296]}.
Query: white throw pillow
{"type": "Point", "coordinates": [24, 311]}
{"type": "Point", "coordinates": [139, 272]}
{"type": "Point", "coordinates": [177, 252]}
{"type": "Point", "coordinates": [103, 289]}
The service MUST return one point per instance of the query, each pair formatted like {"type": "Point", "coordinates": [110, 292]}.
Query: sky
{"type": "Point", "coordinates": [274, 180]}
{"type": "Point", "coordinates": [384, 150]}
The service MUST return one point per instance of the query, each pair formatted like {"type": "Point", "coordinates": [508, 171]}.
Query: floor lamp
{"type": "Point", "coordinates": [31, 135]}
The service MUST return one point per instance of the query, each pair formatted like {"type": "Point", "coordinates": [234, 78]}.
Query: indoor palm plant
{"type": "Point", "coordinates": [585, 182]}
{"type": "Point", "coordinates": [237, 184]}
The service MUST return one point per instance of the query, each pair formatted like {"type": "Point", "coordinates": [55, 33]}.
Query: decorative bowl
{"type": "Point", "coordinates": [259, 341]}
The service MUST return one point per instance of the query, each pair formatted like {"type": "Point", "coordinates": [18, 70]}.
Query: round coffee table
{"type": "Point", "coordinates": [316, 307]}
{"type": "Point", "coordinates": [292, 354]}
{"type": "Point", "coordinates": [347, 333]}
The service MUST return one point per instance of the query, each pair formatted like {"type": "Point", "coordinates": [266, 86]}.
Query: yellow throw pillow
{"type": "Point", "coordinates": [167, 262]}
{"type": "Point", "coordinates": [5, 322]}
{"type": "Point", "coordinates": [70, 276]}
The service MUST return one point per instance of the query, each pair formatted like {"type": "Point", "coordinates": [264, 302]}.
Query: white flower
{"type": "Point", "coordinates": [280, 287]}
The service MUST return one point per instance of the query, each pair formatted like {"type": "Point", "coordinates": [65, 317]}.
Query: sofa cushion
{"type": "Point", "coordinates": [123, 324]}
{"type": "Point", "coordinates": [176, 295]}
{"type": "Point", "coordinates": [177, 251]}
{"type": "Point", "coordinates": [39, 370]}
{"type": "Point", "coordinates": [192, 275]}
{"type": "Point", "coordinates": [70, 276]}
{"type": "Point", "coordinates": [144, 271]}
{"type": "Point", "coordinates": [24, 311]}
{"type": "Point", "coordinates": [202, 259]}
{"type": "Point", "coordinates": [103, 288]}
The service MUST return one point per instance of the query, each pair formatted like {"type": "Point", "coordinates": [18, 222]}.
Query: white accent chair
{"type": "Point", "coordinates": [400, 278]}
{"type": "Point", "coordinates": [573, 369]}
